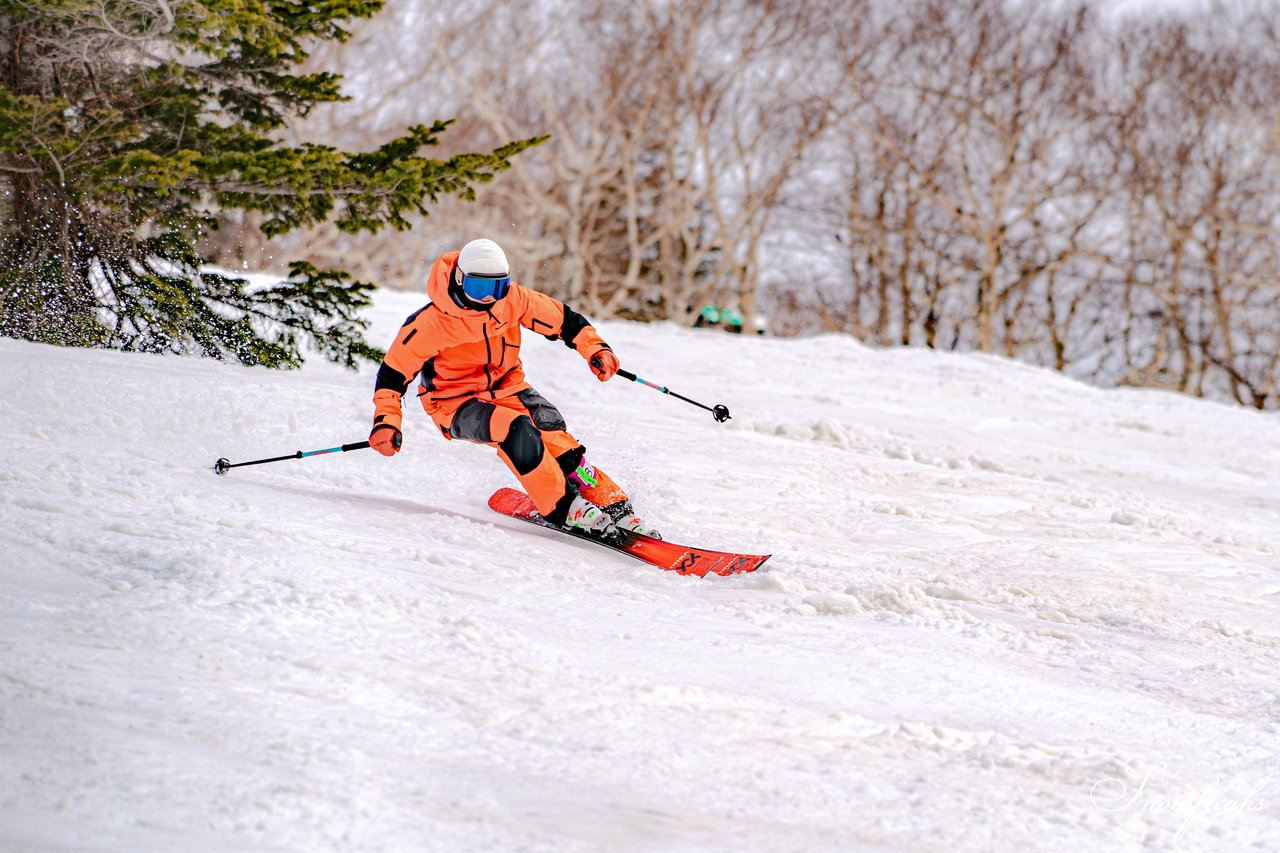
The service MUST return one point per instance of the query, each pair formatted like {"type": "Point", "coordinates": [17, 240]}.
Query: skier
{"type": "Point", "coordinates": [464, 347]}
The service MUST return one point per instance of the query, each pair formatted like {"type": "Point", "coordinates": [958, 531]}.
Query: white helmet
{"type": "Point", "coordinates": [483, 257]}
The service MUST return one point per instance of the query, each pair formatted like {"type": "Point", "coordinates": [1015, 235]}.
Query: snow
{"type": "Point", "coordinates": [1005, 612]}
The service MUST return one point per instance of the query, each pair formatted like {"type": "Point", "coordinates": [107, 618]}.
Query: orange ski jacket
{"type": "Point", "coordinates": [458, 353]}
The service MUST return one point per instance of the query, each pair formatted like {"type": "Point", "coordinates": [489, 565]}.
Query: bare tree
{"type": "Point", "coordinates": [1017, 178]}
{"type": "Point", "coordinates": [675, 129]}
{"type": "Point", "coordinates": [1201, 191]}
{"type": "Point", "coordinates": [986, 121]}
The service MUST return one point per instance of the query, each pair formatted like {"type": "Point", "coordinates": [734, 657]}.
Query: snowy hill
{"type": "Point", "coordinates": [1005, 612]}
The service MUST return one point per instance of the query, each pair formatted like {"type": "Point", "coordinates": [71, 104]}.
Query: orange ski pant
{"type": "Point", "coordinates": [530, 436]}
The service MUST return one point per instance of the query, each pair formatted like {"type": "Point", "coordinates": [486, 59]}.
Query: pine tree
{"type": "Point", "coordinates": [127, 125]}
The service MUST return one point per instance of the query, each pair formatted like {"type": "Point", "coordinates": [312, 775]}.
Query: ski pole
{"type": "Point", "coordinates": [719, 412]}
{"type": "Point", "coordinates": [222, 466]}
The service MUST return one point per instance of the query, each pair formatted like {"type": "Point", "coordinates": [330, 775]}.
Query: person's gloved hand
{"type": "Point", "coordinates": [386, 439]}
{"type": "Point", "coordinates": [604, 364]}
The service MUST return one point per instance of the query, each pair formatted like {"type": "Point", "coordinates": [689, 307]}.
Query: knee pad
{"type": "Point", "coordinates": [523, 445]}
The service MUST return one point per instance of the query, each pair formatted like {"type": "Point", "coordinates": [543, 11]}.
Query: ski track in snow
{"type": "Point", "coordinates": [1006, 611]}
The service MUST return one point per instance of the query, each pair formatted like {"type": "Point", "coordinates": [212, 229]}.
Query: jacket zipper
{"type": "Point", "coordinates": [488, 359]}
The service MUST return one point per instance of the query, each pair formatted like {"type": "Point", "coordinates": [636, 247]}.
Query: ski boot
{"type": "Point", "coordinates": [588, 519]}
{"type": "Point", "coordinates": [625, 518]}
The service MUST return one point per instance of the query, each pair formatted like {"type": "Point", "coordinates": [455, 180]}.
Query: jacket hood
{"type": "Point", "coordinates": [438, 286]}
{"type": "Point", "coordinates": [505, 310]}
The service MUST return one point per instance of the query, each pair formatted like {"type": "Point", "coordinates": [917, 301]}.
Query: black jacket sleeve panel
{"type": "Point", "coordinates": [572, 324]}
{"type": "Point", "coordinates": [392, 379]}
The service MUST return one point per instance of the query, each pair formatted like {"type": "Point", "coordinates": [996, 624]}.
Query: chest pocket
{"type": "Point", "coordinates": [508, 346]}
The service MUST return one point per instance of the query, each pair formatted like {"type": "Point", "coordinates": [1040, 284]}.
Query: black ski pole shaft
{"type": "Point", "coordinates": [719, 412]}
{"type": "Point", "coordinates": [222, 466]}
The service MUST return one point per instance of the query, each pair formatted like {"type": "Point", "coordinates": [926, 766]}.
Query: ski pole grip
{"type": "Point", "coordinates": [359, 445]}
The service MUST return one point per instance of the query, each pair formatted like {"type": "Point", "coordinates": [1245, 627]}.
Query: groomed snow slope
{"type": "Point", "coordinates": [1005, 612]}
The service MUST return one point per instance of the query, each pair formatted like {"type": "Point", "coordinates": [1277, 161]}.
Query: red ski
{"type": "Point", "coordinates": [656, 552]}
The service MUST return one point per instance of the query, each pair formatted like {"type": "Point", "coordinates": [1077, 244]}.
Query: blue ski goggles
{"type": "Point", "coordinates": [482, 288]}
